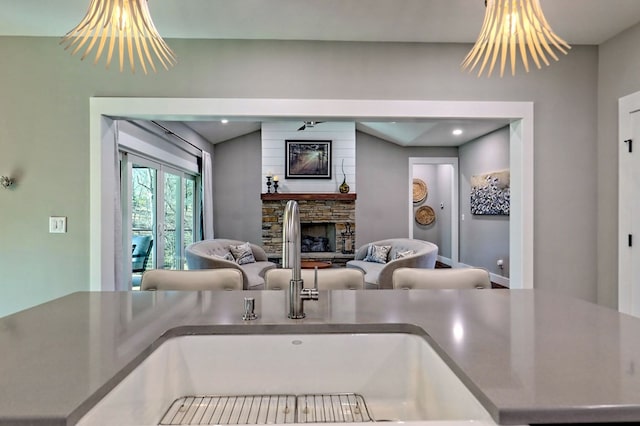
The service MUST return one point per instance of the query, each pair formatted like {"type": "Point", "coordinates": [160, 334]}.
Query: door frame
{"type": "Point", "coordinates": [628, 292]}
{"type": "Point", "coordinates": [102, 140]}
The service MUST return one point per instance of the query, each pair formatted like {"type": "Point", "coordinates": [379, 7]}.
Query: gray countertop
{"type": "Point", "coordinates": [528, 356]}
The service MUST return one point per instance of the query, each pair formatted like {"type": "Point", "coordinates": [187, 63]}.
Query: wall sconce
{"type": "Point", "coordinates": [6, 181]}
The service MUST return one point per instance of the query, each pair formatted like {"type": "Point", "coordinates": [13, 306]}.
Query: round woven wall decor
{"type": "Point", "coordinates": [419, 190]}
{"type": "Point", "coordinates": [425, 215]}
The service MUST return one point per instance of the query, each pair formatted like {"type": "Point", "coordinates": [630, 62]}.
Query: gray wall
{"type": "Point", "coordinates": [382, 175]}
{"type": "Point", "coordinates": [619, 62]}
{"type": "Point", "coordinates": [237, 183]}
{"type": "Point", "coordinates": [44, 129]}
{"type": "Point", "coordinates": [483, 239]}
{"type": "Point", "coordinates": [439, 187]}
{"type": "Point", "coordinates": [443, 206]}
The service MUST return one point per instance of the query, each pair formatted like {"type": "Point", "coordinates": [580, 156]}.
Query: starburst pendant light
{"type": "Point", "coordinates": [513, 27]}
{"type": "Point", "coordinates": [126, 23]}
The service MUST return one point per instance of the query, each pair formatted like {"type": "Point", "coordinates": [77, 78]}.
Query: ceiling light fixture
{"type": "Point", "coordinates": [129, 23]}
{"type": "Point", "coordinates": [224, 121]}
{"type": "Point", "coordinates": [511, 27]}
{"type": "Point", "coordinates": [309, 125]}
{"type": "Point", "coordinates": [457, 132]}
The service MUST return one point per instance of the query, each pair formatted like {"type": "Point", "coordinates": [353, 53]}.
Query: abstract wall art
{"type": "Point", "coordinates": [490, 193]}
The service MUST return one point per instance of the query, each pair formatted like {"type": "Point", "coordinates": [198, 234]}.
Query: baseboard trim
{"type": "Point", "coordinates": [445, 260]}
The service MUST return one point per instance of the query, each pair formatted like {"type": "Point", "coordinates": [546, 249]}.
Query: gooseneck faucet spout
{"type": "Point", "coordinates": [291, 259]}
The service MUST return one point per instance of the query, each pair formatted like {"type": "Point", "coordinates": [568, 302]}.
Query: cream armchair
{"type": "Point", "coordinates": [404, 252]}
{"type": "Point", "coordinates": [210, 254]}
{"type": "Point", "coordinates": [206, 279]}
{"type": "Point", "coordinates": [444, 278]}
{"type": "Point", "coordinates": [328, 279]}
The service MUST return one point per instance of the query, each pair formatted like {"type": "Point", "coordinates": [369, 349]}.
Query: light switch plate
{"type": "Point", "coordinates": [57, 224]}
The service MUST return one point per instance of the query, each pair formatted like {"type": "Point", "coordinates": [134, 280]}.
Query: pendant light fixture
{"type": "Point", "coordinates": [126, 23]}
{"type": "Point", "coordinates": [512, 28]}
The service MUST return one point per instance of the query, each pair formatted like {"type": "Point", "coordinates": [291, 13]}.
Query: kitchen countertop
{"type": "Point", "coordinates": [528, 356]}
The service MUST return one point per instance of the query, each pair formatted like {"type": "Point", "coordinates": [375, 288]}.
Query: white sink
{"type": "Point", "coordinates": [399, 376]}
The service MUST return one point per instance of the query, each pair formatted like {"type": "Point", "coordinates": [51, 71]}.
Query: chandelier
{"type": "Point", "coordinates": [512, 28]}
{"type": "Point", "coordinates": [125, 23]}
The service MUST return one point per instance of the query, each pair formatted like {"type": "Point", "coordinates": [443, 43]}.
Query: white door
{"type": "Point", "coordinates": [629, 206]}
{"type": "Point", "coordinates": [635, 213]}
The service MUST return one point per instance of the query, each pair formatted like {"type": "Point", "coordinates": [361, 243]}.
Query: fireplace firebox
{"type": "Point", "coordinates": [317, 237]}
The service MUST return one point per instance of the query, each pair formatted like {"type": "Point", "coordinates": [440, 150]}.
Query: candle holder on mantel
{"type": "Point", "coordinates": [268, 184]}
{"type": "Point", "coordinates": [275, 186]}
{"type": "Point", "coordinates": [347, 244]}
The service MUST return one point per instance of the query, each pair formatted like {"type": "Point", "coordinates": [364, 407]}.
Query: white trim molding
{"type": "Point", "coordinates": [186, 109]}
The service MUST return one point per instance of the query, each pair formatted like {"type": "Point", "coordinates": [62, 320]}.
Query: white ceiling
{"type": "Point", "coordinates": [578, 21]}
{"type": "Point", "coordinates": [431, 132]}
{"type": "Point", "coordinates": [455, 21]}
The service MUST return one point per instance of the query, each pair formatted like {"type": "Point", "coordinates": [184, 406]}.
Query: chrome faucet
{"type": "Point", "coordinates": [291, 259]}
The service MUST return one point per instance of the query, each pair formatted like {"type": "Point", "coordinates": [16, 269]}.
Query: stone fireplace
{"type": "Point", "coordinates": [326, 220]}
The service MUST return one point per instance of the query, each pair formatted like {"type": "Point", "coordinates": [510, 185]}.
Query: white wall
{"type": "Point", "coordinates": [343, 147]}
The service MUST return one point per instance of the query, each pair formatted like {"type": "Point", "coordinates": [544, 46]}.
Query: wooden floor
{"type": "Point", "coordinates": [493, 285]}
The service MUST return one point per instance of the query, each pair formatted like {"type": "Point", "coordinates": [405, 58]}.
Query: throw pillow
{"type": "Point", "coordinates": [227, 256]}
{"type": "Point", "coordinates": [377, 254]}
{"type": "Point", "coordinates": [242, 253]}
{"type": "Point", "coordinates": [400, 254]}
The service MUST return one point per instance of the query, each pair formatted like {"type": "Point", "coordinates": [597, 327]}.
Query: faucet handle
{"type": "Point", "coordinates": [309, 294]}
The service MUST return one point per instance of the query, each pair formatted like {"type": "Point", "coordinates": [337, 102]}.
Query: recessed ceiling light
{"type": "Point", "coordinates": [224, 121]}
{"type": "Point", "coordinates": [457, 132]}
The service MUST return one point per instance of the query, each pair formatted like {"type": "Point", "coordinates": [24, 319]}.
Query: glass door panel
{"type": "Point", "coordinates": [188, 217]}
{"type": "Point", "coordinates": [171, 229]}
{"type": "Point", "coordinates": [143, 219]}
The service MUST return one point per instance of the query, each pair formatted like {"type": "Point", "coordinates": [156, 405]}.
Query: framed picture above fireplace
{"type": "Point", "coordinates": [307, 159]}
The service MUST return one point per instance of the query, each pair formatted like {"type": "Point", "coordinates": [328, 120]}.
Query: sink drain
{"type": "Point", "coordinates": [266, 409]}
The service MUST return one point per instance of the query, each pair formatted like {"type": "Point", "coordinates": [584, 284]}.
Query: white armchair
{"type": "Point", "coordinates": [404, 252]}
{"type": "Point", "coordinates": [212, 254]}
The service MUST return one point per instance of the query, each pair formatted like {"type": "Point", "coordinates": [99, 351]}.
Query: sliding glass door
{"type": "Point", "coordinates": [178, 219]}
{"type": "Point", "coordinates": [159, 219]}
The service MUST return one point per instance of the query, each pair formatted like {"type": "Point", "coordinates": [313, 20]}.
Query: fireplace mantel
{"type": "Point", "coordinates": [308, 196]}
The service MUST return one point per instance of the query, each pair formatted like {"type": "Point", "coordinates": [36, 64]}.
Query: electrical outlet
{"type": "Point", "coordinates": [57, 224]}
